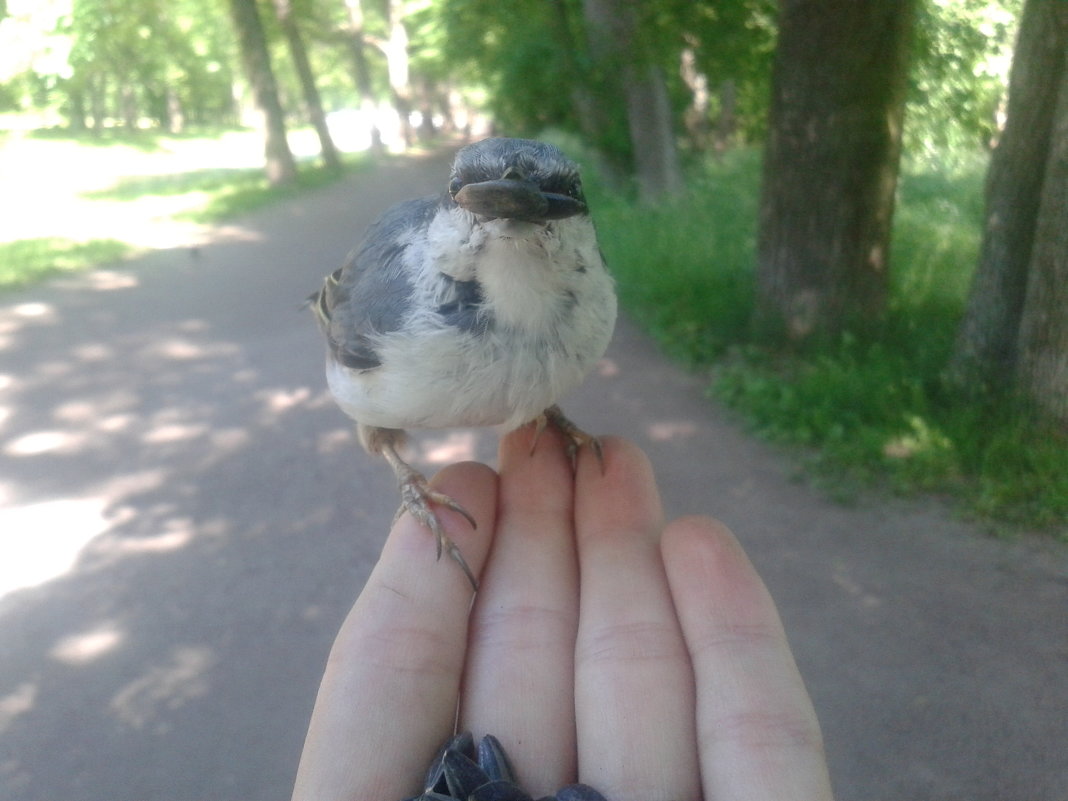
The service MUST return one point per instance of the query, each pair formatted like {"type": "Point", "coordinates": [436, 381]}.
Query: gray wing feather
{"type": "Point", "coordinates": [371, 294]}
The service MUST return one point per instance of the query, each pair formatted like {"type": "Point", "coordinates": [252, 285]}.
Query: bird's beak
{"type": "Point", "coordinates": [516, 199]}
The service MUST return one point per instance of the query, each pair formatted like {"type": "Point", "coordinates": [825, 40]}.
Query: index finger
{"type": "Point", "coordinates": [388, 698]}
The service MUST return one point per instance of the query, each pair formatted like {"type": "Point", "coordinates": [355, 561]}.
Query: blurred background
{"type": "Point", "coordinates": [811, 177]}
{"type": "Point", "coordinates": [845, 220]}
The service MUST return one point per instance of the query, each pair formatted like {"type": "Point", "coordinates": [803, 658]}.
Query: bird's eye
{"type": "Point", "coordinates": [575, 190]}
{"type": "Point", "coordinates": [455, 185]}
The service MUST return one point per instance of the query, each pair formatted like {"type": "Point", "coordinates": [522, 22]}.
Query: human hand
{"type": "Point", "coordinates": [644, 659]}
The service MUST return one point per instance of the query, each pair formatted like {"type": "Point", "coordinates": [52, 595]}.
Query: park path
{"type": "Point", "coordinates": [185, 520]}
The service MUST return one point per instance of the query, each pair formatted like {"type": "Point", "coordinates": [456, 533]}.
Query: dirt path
{"type": "Point", "coordinates": [184, 520]}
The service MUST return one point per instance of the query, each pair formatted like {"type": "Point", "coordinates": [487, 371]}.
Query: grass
{"type": "Point", "coordinates": [26, 260]}
{"type": "Point", "coordinates": [866, 411]}
{"type": "Point", "coordinates": [221, 193]}
{"type": "Point", "coordinates": [111, 196]}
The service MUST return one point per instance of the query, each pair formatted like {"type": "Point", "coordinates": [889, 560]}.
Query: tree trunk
{"type": "Point", "coordinates": [695, 118]}
{"type": "Point", "coordinates": [280, 167]}
{"type": "Point", "coordinates": [1043, 346]}
{"type": "Point", "coordinates": [284, 10]}
{"type": "Point", "coordinates": [831, 165]}
{"type": "Point", "coordinates": [652, 134]}
{"type": "Point", "coordinates": [98, 102]}
{"type": "Point", "coordinates": [397, 65]}
{"type": "Point", "coordinates": [727, 120]}
{"type": "Point", "coordinates": [986, 350]}
{"type": "Point", "coordinates": [362, 71]}
{"type": "Point", "coordinates": [592, 108]}
{"type": "Point", "coordinates": [76, 104]}
{"type": "Point", "coordinates": [614, 45]}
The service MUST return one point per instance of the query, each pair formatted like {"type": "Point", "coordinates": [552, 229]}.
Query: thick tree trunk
{"type": "Point", "coordinates": [831, 164]}
{"type": "Point", "coordinates": [985, 354]}
{"type": "Point", "coordinates": [280, 167]}
{"type": "Point", "coordinates": [629, 75]}
{"type": "Point", "coordinates": [284, 10]}
{"type": "Point", "coordinates": [1043, 346]}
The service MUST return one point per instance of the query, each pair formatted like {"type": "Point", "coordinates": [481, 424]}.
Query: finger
{"type": "Point", "coordinates": [634, 692]}
{"type": "Point", "coordinates": [758, 733]}
{"type": "Point", "coordinates": [519, 680]}
{"type": "Point", "coordinates": [388, 698]}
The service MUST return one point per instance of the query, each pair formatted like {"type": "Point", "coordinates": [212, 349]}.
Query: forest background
{"type": "Point", "coordinates": [852, 214]}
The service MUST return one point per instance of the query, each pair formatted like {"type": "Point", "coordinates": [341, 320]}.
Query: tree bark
{"type": "Point", "coordinates": [299, 53]}
{"type": "Point", "coordinates": [280, 167]}
{"type": "Point", "coordinates": [986, 351]}
{"type": "Point", "coordinates": [696, 117]}
{"type": "Point", "coordinates": [831, 165]}
{"type": "Point", "coordinates": [615, 48]}
{"type": "Point", "coordinates": [652, 134]}
{"type": "Point", "coordinates": [362, 71]}
{"type": "Point", "coordinates": [398, 67]}
{"type": "Point", "coordinates": [592, 108]}
{"type": "Point", "coordinates": [1043, 345]}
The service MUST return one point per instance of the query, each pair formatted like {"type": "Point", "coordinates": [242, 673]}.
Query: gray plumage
{"type": "Point", "coordinates": [480, 306]}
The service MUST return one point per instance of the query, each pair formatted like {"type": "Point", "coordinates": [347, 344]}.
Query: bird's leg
{"type": "Point", "coordinates": [575, 435]}
{"type": "Point", "coordinates": [416, 493]}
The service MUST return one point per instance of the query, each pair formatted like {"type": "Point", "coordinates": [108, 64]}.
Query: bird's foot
{"type": "Point", "coordinates": [417, 495]}
{"type": "Point", "coordinates": [416, 498]}
{"type": "Point", "coordinates": [576, 437]}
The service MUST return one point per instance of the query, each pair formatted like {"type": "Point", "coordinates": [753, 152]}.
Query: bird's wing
{"type": "Point", "coordinates": [371, 294]}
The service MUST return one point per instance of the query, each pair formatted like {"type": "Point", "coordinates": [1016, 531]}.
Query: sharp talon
{"type": "Point", "coordinates": [575, 435]}
{"type": "Point", "coordinates": [458, 557]}
{"type": "Point", "coordinates": [539, 429]}
{"type": "Point", "coordinates": [417, 497]}
{"type": "Point", "coordinates": [598, 451]}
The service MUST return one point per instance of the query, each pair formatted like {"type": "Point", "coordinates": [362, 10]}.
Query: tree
{"type": "Point", "coordinates": [627, 68]}
{"type": "Point", "coordinates": [280, 166]}
{"type": "Point", "coordinates": [959, 71]}
{"type": "Point", "coordinates": [284, 11]}
{"type": "Point", "coordinates": [831, 164]}
{"type": "Point", "coordinates": [356, 39]}
{"type": "Point", "coordinates": [986, 355]}
{"type": "Point", "coordinates": [395, 49]}
{"type": "Point", "coordinates": [1043, 370]}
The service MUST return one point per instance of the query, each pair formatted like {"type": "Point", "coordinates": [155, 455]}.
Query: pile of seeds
{"type": "Point", "coordinates": [460, 772]}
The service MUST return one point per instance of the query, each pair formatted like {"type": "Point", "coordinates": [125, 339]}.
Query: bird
{"type": "Point", "coordinates": [479, 306]}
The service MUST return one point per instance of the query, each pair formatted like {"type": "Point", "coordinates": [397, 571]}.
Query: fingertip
{"type": "Point", "coordinates": [699, 533]}
{"type": "Point", "coordinates": [620, 493]}
{"type": "Point", "coordinates": [396, 664]}
{"type": "Point", "coordinates": [708, 570]}
{"type": "Point", "coordinates": [411, 547]}
{"type": "Point", "coordinates": [536, 473]}
{"type": "Point", "coordinates": [704, 550]}
{"type": "Point", "coordinates": [546, 445]}
{"type": "Point", "coordinates": [474, 486]}
{"type": "Point", "coordinates": [617, 453]}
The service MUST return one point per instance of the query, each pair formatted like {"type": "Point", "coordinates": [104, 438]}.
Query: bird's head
{"type": "Point", "coordinates": [516, 179]}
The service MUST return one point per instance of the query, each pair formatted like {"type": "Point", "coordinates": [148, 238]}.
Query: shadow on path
{"type": "Point", "coordinates": [185, 519]}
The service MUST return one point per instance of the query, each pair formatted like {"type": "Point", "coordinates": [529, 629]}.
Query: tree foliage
{"type": "Point", "coordinates": [962, 50]}
{"type": "Point", "coordinates": [104, 62]}
{"type": "Point", "coordinates": [533, 70]}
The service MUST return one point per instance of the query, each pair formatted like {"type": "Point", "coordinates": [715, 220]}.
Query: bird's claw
{"type": "Point", "coordinates": [576, 437]}
{"type": "Point", "coordinates": [416, 498]}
